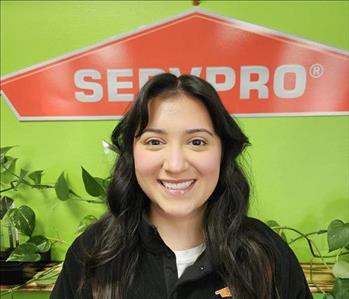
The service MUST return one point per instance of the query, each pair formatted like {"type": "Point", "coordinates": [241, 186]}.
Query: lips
{"type": "Point", "coordinates": [173, 186]}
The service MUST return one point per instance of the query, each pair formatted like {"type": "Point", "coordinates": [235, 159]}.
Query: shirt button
{"type": "Point", "coordinates": [202, 268]}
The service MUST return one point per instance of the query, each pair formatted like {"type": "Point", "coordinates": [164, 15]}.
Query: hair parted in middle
{"type": "Point", "coordinates": [241, 255]}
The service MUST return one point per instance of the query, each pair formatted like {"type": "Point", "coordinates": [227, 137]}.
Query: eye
{"type": "Point", "coordinates": [198, 142]}
{"type": "Point", "coordinates": [152, 142]}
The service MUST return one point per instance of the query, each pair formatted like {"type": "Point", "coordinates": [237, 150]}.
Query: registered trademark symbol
{"type": "Point", "coordinates": [316, 70]}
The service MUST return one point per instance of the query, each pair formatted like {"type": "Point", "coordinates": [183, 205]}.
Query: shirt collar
{"type": "Point", "coordinates": [150, 237]}
{"type": "Point", "coordinates": [152, 242]}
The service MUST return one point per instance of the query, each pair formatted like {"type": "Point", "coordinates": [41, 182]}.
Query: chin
{"type": "Point", "coordinates": [183, 212]}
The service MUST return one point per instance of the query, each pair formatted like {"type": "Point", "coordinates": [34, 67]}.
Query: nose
{"type": "Point", "coordinates": [175, 160]}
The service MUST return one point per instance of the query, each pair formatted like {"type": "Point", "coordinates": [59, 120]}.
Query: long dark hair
{"type": "Point", "coordinates": [241, 255]}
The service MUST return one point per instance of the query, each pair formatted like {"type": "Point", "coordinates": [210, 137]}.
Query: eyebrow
{"type": "Point", "coordinates": [190, 131]}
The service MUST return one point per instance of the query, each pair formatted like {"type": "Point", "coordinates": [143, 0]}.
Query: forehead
{"type": "Point", "coordinates": [178, 110]}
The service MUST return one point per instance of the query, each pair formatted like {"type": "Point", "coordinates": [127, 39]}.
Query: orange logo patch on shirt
{"type": "Point", "coordinates": [224, 293]}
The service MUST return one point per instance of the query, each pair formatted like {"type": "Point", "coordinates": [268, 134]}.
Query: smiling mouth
{"type": "Point", "coordinates": [177, 186]}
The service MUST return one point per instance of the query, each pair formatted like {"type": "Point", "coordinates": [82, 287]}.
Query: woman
{"type": "Point", "coordinates": [177, 224]}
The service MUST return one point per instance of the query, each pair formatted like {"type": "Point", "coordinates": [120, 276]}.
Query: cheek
{"type": "Point", "coordinates": [209, 165]}
{"type": "Point", "coordinates": [146, 163]}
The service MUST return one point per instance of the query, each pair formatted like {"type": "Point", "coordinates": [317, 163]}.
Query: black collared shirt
{"type": "Point", "coordinates": [157, 275]}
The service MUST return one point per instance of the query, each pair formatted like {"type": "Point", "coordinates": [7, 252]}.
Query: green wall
{"type": "Point", "coordinates": [298, 165]}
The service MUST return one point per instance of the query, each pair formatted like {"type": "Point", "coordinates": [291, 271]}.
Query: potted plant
{"type": "Point", "coordinates": [22, 253]}
{"type": "Point", "coordinates": [19, 247]}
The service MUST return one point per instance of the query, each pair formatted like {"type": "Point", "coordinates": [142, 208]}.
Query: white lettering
{"type": "Point", "coordinates": [223, 78]}
{"type": "Point", "coordinates": [196, 71]}
{"type": "Point", "coordinates": [114, 85]}
{"type": "Point", "coordinates": [279, 81]}
{"type": "Point", "coordinates": [175, 71]}
{"type": "Point", "coordinates": [145, 74]}
{"type": "Point", "coordinates": [80, 82]}
{"type": "Point", "coordinates": [246, 85]}
{"type": "Point", "coordinates": [227, 72]}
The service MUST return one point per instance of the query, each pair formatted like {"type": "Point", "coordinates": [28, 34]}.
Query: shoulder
{"type": "Point", "coordinates": [256, 227]}
{"type": "Point", "coordinates": [269, 239]}
{"type": "Point", "coordinates": [288, 272]}
{"type": "Point", "coordinates": [87, 240]}
{"type": "Point", "coordinates": [69, 280]}
{"type": "Point", "coordinates": [84, 241]}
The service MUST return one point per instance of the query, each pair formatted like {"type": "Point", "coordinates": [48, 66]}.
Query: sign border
{"type": "Point", "coordinates": [245, 26]}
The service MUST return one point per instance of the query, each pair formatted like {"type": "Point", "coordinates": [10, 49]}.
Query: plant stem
{"type": "Point", "coordinates": [38, 186]}
{"type": "Point", "coordinates": [78, 197]}
{"type": "Point", "coordinates": [34, 279]}
{"type": "Point", "coordinates": [319, 232]}
{"type": "Point", "coordinates": [310, 242]}
{"type": "Point", "coordinates": [57, 240]}
{"type": "Point", "coordinates": [46, 186]}
{"type": "Point", "coordinates": [340, 253]}
{"type": "Point", "coordinates": [92, 200]}
{"type": "Point", "coordinates": [7, 189]}
{"type": "Point", "coordinates": [42, 186]}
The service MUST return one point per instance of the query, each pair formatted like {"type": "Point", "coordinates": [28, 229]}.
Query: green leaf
{"type": "Point", "coordinates": [85, 223]}
{"type": "Point", "coordinates": [272, 223]}
{"type": "Point", "coordinates": [26, 252]}
{"type": "Point", "coordinates": [92, 185]}
{"type": "Point", "coordinates": [8, 164]}
{"type": "Point", "coordinates": [107, 182]}
{"type": "Point", "coordinates": [7, 168]}
{"type": "Point", "coordinates": [41, 242]}
{"type": "Point", "coordinates": [104, 184]}
{"type": "Point", "coordinates": [3, 151]}
{"type": "Point", "coordinates": [101, 182]}
{"type": "Point", "coordinates": [328, 296]}
{"type": "Point", "coordinates": [341, 288]}
{"type": "Point", "coordinates": [109, 147]}
{"type": "Point", "coordinates": [337, 234]}
{"type": "Point", "coordinates": [22, 175]}
{"type": "Point", "coordinates": [36, 176]}
{"type": "Point", "coordinates": [5, 204]}
{"type": "Point", "coordinates": [341, 269]}
{"type": "Point", "coordinates": [23, 219]}
{"type": "Point", "coordinates": [61, 187]}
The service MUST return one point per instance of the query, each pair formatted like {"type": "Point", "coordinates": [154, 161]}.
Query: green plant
{"type": "Point", "coordinates": [21, 220]}
{"type": "Point", "coordinates": [337, 236]}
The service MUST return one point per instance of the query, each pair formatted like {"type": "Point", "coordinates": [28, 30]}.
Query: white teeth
{"type": "Point", "coordinates": [179, 186]}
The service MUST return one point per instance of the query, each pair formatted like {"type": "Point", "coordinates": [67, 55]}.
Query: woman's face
{"type": "Point", "coordinates": [177, 158]}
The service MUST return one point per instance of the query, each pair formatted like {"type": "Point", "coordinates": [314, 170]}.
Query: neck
{"type": "Point", "coordinates": [179, 234]}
